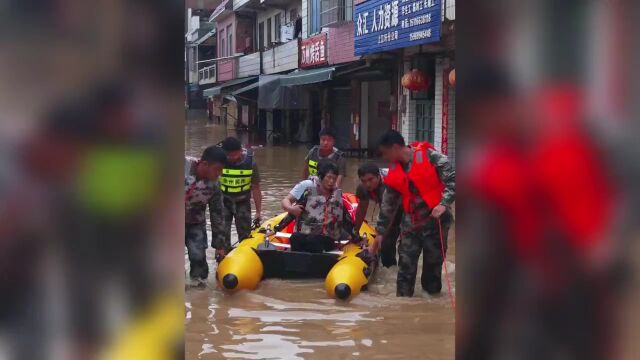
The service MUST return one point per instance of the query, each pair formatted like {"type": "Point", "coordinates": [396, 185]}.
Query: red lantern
{"type": "Point", "coordinates": [452, 77]}
{"type": "Point", "coordinates": [415, 80]}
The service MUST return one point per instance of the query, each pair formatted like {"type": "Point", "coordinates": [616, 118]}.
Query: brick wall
{"type": "Point", "coordinates": [340, 44]}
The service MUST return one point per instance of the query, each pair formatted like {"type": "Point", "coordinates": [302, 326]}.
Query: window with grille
{"type": "Point", "coordinates": [335, 12]}
{"type": "Point", "coordinates": [424, 120]}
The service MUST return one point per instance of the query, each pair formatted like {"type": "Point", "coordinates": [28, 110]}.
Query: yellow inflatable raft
{"type": "Point", "coordinates": [266, 254]}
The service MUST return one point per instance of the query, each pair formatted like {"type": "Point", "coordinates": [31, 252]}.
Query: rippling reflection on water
{"type": "Point", "coordinates": [295, 319]}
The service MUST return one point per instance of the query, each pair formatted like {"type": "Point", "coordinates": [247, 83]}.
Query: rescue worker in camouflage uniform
{"type": "Point", "coordinates": [372, 188]}
{"type": "Point", "coordinates": [201, 189]}
{"type": "Point", "coordinates": [325, 150]}
{"type": "Point", "coordinates": [240, 181]}
{"type": "Point", "coordinates": [320, 212]}
{"type": "Point", "coordinates": [422, 181]}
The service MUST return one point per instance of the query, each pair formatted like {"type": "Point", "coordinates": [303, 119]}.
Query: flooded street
{"type": "Point", "coordinates": [295, 319]}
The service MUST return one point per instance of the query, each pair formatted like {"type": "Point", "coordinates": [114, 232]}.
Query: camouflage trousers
{"type": "Point", "coordinates": [196, 243]}
{"type": "Point", "coordinates": [390, 242]}
{"type": "Point", "coordinates": [240, 211]}
{"type": "Point", "coordinates": [425, 240]}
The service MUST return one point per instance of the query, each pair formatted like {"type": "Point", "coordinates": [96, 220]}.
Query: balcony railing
{"type": "Point", "coordinates": [207, 75]}
{"type": "Point", "coordinates": [335, 12]}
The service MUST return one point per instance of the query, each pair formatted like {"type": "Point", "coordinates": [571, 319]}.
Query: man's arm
{"type": "Point", "coordinates": [217, 221]}
{"type": "Point", "coordinates": [389, 204]}
{"type": "Point", "coordinates": [287, 202]}
{"type": "Point", "coordinates": [361, 212]}
{"type": "Point", "coordinates": [363, 206]}
{"type": "Point", "coordinates": [447, 175]}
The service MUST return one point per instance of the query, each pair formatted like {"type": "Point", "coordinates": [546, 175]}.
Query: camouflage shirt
{"type": "Point", "coordinates": [199, 194]}
{"type": "Point", "coordinates": [392, 199]}
{"type": "Point", "coordinates": [324, 215]}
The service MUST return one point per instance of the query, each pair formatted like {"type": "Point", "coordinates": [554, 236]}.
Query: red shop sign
{"type": "Point", "coordinates": [313, 51]}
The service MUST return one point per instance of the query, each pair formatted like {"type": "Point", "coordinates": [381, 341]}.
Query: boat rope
{"type": "Point", "coordinates": [444, 255]}
{"type": "Point", "coordinates": [444, 262]}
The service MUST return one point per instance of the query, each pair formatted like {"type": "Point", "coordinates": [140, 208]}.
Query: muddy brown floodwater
{"type": "Point", "coordinates": [295, 319]}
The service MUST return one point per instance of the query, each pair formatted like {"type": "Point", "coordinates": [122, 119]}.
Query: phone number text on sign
{"type": "Point", "coordinates": [390, 24]}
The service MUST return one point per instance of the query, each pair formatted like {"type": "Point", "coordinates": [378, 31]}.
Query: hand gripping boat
{"type": "Point", "coordinates": [266, 254]}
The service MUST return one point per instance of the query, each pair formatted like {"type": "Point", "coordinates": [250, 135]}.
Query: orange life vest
{"type": "Point", "coordinates": [422, 174]}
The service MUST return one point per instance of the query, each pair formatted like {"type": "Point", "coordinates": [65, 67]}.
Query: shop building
{"type": "Point", "coordinates": [409, 34]}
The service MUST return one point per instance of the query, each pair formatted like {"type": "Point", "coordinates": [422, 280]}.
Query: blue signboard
{"type": "Point", "coordinates": [382, 25]}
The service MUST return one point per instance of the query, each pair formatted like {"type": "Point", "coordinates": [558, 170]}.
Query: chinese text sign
{"type": "Point", "coordinates": [313, 51]}
{"type": "Point", "coordinates": [382, 25]}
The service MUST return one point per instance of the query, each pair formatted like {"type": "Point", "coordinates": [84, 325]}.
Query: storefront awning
{"type": "Point", "coordinates": [247, 94]}
{"type": "Point", "coordinates": [246, 89]}
{"type": "Point", "coordinates": [229, 85]}
{"type": "Point", "coordinates": [211, 91]}
{"type": "Point", "coordinates": [280, 92]}
{"type": "Point", "coordinates": [305, 77]}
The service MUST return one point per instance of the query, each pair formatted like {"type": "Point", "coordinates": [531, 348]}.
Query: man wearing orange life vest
{"type": "Point", "coordinates": [422, 181]}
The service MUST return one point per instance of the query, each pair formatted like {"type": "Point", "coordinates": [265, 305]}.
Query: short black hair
{"type": "Point", "coordinates": [327, 132]}
{"type": "Point", "coordinates": [368, 168]}
{"type": "Point", "coordinates": [231, 144]}
{"type": "Point", "coordinates": [326, 166]}
{"type": "Point", "coordinates": [391, 138]}
{"type": "Point", "coordinates": [214, 154]}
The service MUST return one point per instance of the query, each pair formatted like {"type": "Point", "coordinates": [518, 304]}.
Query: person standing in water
{"type": "Point", "coordinates": [201, 189]}
{"type": "Point", "coordinates": [372, 188]}
{"type": "Point", "coordinates": [240, 181]}
{"type": "Point", "coordinates": [422, 181]}
{"type": "Point", "coordinates": [326, 150]}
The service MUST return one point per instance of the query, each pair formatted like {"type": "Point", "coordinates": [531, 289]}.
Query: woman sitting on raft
{"type": "Point", "coordinates": [321, 216]}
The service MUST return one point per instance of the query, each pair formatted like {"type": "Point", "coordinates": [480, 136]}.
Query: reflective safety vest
{"type": "Point", "coordinates": [236, 178]}
{"type": "Point", "coordinates": [314, 158]}
{"type": "Point", "coordinates": [322, 215]}
{"type": "Point", "coordinates": [422, 174]}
